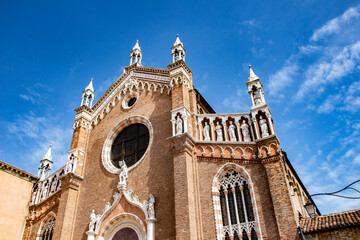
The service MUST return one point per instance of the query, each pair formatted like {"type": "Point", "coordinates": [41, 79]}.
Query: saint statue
{"type": "Point", "coordinates": [123, 175]}
{"type": "Point", "coordinates": [206, 132]}
{"type": "Point", "coordinates": [219, 133]}
{"type": "Point", "coordinates": [264, 127]}
{"type": "Point", "coordinates": [245, 131]}
{"type": "Point", "coordinates": [93, 221]}
{"type": "Point", "coordinates": [179, 125]}
{"type": "Point", "coordinates": [151, 210]}
{"type": "Point", "coordinates": [231, 132]}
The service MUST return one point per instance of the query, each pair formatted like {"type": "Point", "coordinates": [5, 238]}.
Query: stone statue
{"type": "Point", "coordinates": [206, 132]}
{"type": "Point", "coordinates": [123, 175]}
{"type": "Point", "coordinates": [151, 210]}
{"type": "Point", "coordinates": [93, 221]}
{"type": "Point", "coordinates": [45, 191]}
{"type": "Point", "coordinates": [70, 164]}
{"type": "Point", "coordinates": [264, 127]}
{"type": "Point", "coordinates": [179, 125]}
{"type": "Point", "coordinates": [245, 131]}
{"type": "Point", "coordinates": [33, 197]}
{"type": "Point", "coordinates": [219, 134]}
{"type": "Point", "coordinates": [53, 185]}
{"type": "Point", "coordinates": [231, 132]}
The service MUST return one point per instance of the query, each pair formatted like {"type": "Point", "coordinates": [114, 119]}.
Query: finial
{"type": "Point", "coordinates": [137, 45]}
{"type": "Point", "coordinates": [90, 86]}
{"type": "Point", "coordinates": [177, 40]}
{"type": "Point", "coordinates": [252, 75]}
{"type": "Point", "coordinates": [48, 154]}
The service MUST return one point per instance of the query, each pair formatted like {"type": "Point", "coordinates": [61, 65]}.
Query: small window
{"type": "Point", "coordinates": [132, 102]}
{"type": "Point", "coordinates": [130, 145]}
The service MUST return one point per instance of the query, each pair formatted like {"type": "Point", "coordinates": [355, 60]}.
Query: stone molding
{"type": "Point", "coordinates": [220, 231]}
{"type": "Point", "coordinates": [71, 181]}
{"type": "Point", "coordinates": [146, 207]}
{"type": "Point", "coordinates": [106, 150]}
{"type": "Point", "coordinates": [182, 143]}
{"type": "Point", "coordinates": [127, 87]}
{"type": "Point", "coordinates": [8, 168]}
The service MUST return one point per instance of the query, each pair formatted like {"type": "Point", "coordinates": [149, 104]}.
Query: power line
{"type": "Point", "coordinates": [342, 196]}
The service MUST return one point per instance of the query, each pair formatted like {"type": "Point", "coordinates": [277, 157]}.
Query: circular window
{"type": "Point", "coordinates": [131, 102]}
{"type": "Point", "coordinates": [130, 145]}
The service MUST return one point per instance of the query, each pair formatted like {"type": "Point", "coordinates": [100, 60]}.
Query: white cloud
{"type": "Point", "coordinates": [335, 25]}
{"type": "Point", "coordinates": [37, 133]}
{"type": "Point", "coordinates": [327, 71]}
{"type": "Point", "coordinates": [249, 23]}
{"type": "Point", "coordinates": [309, 49]}
{"type": "Point", "coordinates": [283, 78]}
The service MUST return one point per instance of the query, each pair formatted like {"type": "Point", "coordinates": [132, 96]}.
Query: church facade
{"type": "Point", "coordinates": [152, 160]}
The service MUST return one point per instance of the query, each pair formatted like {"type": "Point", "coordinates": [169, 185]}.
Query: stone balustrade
{"type": "Point", "coordinates": [226, 127]}
{"type": "Point", "coordinates": [47, 187]}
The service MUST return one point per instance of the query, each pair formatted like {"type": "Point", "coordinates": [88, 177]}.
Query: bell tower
{"type": "Point", "coordinates": [178, 50]}
{"type": "Point", "coordinates": [45, 165]}
{"type": "Point", "coordinates": [260, 111]}
{"type": "Point", "coordinates": [88, 95]}
{"type": "Point", "coordinates": [136, 54]}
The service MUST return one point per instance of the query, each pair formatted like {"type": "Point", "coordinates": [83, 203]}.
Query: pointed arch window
{"type": "Point", "coordinates": [237, 213]}
{"type": "Point", "coordinates": [48, 229]}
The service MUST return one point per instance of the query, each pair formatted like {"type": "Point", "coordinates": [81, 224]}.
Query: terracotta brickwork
{"type": "Point", "coordinates": [155, 175]}
{"type": "Point", "coordinates": [180, 169]}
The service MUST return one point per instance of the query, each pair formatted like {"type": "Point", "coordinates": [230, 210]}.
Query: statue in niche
{"type": "Point", "coordinates": [71, 162]}
{"type": "Point", "coordinates": [150, 209]}
{"type": "Point", "coordinates": [33, 197]}
{"type": "Point", "coordinates": [123, 175]}
{"type": "Point", "coordinates": [93, 221]}
{"type": "Point", "coordinates": [264, 127]}
{"type": "Point", "coordinates": [231, 132]}
{"type": "Point", "coordinates": [53, 185]}
{"type": "Point", "coordinates": [219, 133]}
{"type": "Point", "coordinates": [179, 125]}
{"type": "Point", "coordinates": [206, 132]}
{"type": "Point", "coordinates": [45, 191]}
{"type": "Point", "coordinates": [245, 131]}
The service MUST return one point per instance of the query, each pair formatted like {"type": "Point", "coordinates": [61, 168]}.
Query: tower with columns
{"type": "Point", "coordinates": [45, 165]}
{"type": "Point", "coordinates": [136, 54]}
{"type": "Point", "coordinates": [151, 159]}
{"type": "Point", "coordinates": [88, 95]}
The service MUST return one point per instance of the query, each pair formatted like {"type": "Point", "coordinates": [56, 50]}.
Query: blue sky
{"type": "Point", "coordinates": [306, 53]}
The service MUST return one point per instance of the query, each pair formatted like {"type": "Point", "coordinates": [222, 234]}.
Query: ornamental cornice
{"type": "Point", "coordinates": [178, 64]}
{"type": "Point", "coordinates": [183, 143]}
{"type": "Point", "coordinates": [82, 109]}
{"type": "Point", "coordinates": [128, 87]}
{"type": "Point", "coordinates": [18, 172]}
{"type": "Point", "coordinates": [71, 180]}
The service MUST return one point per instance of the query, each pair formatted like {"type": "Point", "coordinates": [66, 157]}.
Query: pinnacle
{"type": "Point", "coordinates": [252, 75]}
{"type": "Point", "coordinates": [136, 46]}
{"type": "Point", "coordinates": [48, 154]}
{"type": "Point", "coordinates": [177, 40]}
{"type": "Point", "coordinates": [90, 86]}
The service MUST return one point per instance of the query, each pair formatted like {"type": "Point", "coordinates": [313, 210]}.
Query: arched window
{"type": "Point", "coordinates": [232, 193]}
{"type": "Point", "coordinates": [48, 229]}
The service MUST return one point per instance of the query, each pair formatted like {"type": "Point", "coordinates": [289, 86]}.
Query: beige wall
{"type": "Point", "coordinates": [14, 199]}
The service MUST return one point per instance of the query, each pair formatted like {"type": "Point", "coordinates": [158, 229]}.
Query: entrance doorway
{"type": "Point", "coordinates": [126, 234]}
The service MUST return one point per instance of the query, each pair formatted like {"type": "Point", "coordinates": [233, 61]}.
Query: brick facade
{"type": "Point", "coordinates": [179, 168]}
